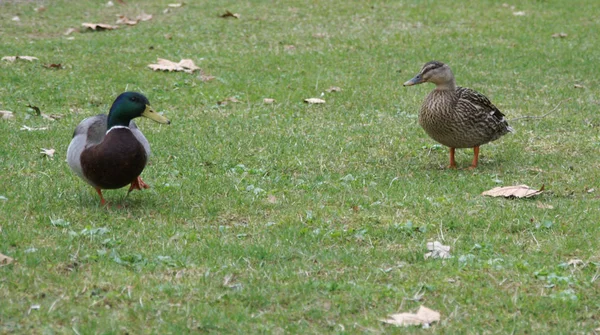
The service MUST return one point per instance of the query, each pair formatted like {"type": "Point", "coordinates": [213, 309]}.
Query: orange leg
{"type": "Point", "coordinates": [475, 158]}
{"type": "Point", "coordinates": [452, 161]}
{"type": "Point", "coordinates": [137, 184]}
{"type": "Point", "coordinates": [102, 201]}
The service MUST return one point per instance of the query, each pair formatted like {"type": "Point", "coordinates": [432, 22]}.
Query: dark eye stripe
{"type": "Point", "coordinates": [431, 66]}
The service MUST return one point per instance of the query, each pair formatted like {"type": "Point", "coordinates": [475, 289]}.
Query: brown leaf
{"type": "Point", "coordinates": [437, 250]}
{"type": "Point", "coordinates": [36, 109]}
{"type": "Point", "coordinates": [230, 14]}
{"type": "Point", "coordinates": [40, 9]}
{"type": "Point", "coordinates": [69, 31]}
{"type": "Point", "coordinates": [5, 260]}
{"type": "Point", "coordinates": [99, 26]}
{"type": "Point", "coordinates": [53, 66]}
{"type": "Point", "coordinates": [560, 35]}
{"type": "Point", "coordinates": [578, 86]}
{"type": "Point", "coordinates": [226, 100]}
{"type": "Point", "coordinates": [269, 100]}
{"type": "Point", "coordinates": [333, 89]}
{"type": "Point", "coordinates": [424, 316]}
{"type": "Point", "coordinates": [144, 17]}
{"type": "Point", "coordinates": [206, 77]}
{"type": "Point", "coordinates": [314, 101]}
{"type": "Point", "coordinates": [52, 117]}
{"type": "Point", "coordinates": [575, 262]}
{"type": "Point", "coordinates": [544, 206]}
{"type": "Point", "coordinates": [14, 58]}
{"type": "Point", "coordinates": [518, 191]}
{"type": "Point", "coordinates": [6, 115]}
{"type": "Point", "coordinates": [122, 19]}
{"type": "Point", "coordinates": [185, 65]}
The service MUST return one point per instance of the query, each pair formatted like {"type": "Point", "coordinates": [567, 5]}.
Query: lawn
{"type": "Point", "coordinates": [297, 218]}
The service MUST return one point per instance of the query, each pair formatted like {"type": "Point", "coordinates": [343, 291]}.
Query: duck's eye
{"type": "Point", "coordinates": [134, 99]}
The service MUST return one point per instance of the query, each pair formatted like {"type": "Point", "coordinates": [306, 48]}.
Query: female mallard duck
{"type": "Point", "coordinates": [457, 117]}
{"type": "Point", "coordinates": [109, 152]}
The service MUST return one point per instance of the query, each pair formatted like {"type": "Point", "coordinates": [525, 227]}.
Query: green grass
{"type": "Point", "coordinates": [290, 218]}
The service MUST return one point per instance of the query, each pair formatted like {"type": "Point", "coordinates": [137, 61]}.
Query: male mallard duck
{"type": "Point", "coordinates": [457, 117]}
{"type": "Point", "coordinates": [109, 152]}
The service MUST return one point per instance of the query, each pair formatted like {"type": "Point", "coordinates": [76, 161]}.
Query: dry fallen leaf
{"type": "Point", "coordinates": [575, 262]}
{"type": "Point", "coordinates": [206, 77]}
{"type": "Point", "coordinates": [5, 260]}
{"type": "Point", "coordinates": [69, 31]}
{"type": "Point", "coordinates": [52, 117]}
{"type": "Point", "coordinates": [99, 26]}
{"type": "Point", "coordinates": [122, 19]}
{"type": "Point", "coordinates": [33, 129]}
{"type": "Point", "coordinates": [6, 115]}
{"type": "Point", "coordinates": [269, 100]}
{"type": "Point", "coordinates": [544, 206]}
{"type": "Point", "coordinates": [53, 66]}
{"type": "Point", "coordinates": [578, 86]}
{"type": "Point", "coordinates": [16, 19]}
{"type": "Point", "coordinates": [14, 58]}
{"type": "Point", "coordinates": [144, 17]}
{"type": "Point", "coordinates": [185, 65]}
{"type": "Point", "coordinates": [518, 191]}
{"type": "Point", "coordinates": [227, 100]}
{"type": "Point", "coordinates": [230, 14]}
{"type": "Point", "coordinates": [314, 101]}
{"type": "Point", "coordinates": [437, 250]}
{"type": "Point", "coordinates": [520, 13]}
{"type": "Point", "coordinates": [175, 5]}
{"type": "Point", "coordinates": [561, 35]}
{"type": "Point", "coordinates": [48, 152]}
{"type": "Point", "coordinates": [424, 317]}
{"type": "Point", "coordinates": [271, 199]}
{"type": "Point", "coordinates": [333, 89]}
{"type": "Point", "coordinates": [40, 9]}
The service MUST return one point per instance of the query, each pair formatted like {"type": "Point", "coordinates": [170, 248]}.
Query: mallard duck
{"type": "Point", "coordinates": [455, 116]}
{"type": "Point", "coordinates": [109, 152]}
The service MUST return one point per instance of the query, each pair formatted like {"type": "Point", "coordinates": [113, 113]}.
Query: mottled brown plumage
{"type": "Point", "coordinates": [457, 117]}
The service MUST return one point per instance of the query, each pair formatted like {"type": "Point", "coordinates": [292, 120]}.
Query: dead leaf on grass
{"type": "Point", "coordinates": [544, 206]}
{"type": "Point", "coordinates": [230, 14]}
{"type": "Point", "coordinates": [14, 58]}
{"type": "Point", "coordinates": [271, 199]}
{"type": "Point", "coordinates": [57, 66]}
{"type": "Point", "coordinates": [144, 17]}
{"type": "Point", "coordinates": [269, 100]}
{"type": "Point", "coordinates": [560, 35]}
{"type": "Point", "coordinates": [437, 250]}
{"type": "Point", "coordinates": [314, 101]}
{"type": "Point", "coordinates": [333, 89]}
{"type": "Point", "coordinates": [519, 13]}
{"type": "Point", "coordinates": [5, 260]}
{"type": "Point", "coordinates": [578, 86]}
{"type": "Point", "coordinates": [16, 19]}
{"type": "Point", "coordinates": [184, 65]}
{"type": "Point", "coordinates": [227, 100]}
{"type": "Point", "coordinates": [48, 152]}
{"type": "Point", "coordinates": [33, 129]}
{"type": "Point", "coordinates": [40, 9]}
{"type": "Point", "coordinates": [99, 26]}
{"type": "Point", "coordinates": [122, 19]}
{"type": "Point", "coordinates": [424, 317]}
{"type": "Point", "coordinates": [7, 115]}
{"type": "Point", "coordinates": [518, 191]}
{"type": "Point", "coordinates": [175, 5]}
{"type": "Point", "coordinates": [69, 31]}
{"type": "Point", "coordinates": [575, 262]}
{"type": "Point", "coordinates": [206, 77]}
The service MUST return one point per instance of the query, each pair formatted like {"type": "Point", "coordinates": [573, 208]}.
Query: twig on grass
{"type": "Point", "coordinates": [529, 117]}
